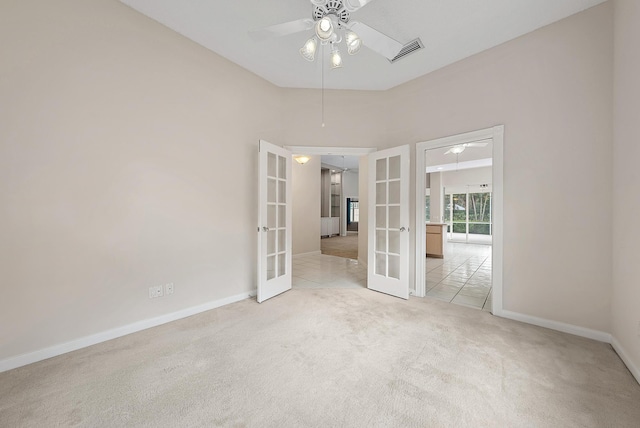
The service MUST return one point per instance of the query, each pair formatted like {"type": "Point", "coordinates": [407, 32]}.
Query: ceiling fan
{"type": "Point", "coordinates": [331, 21]}
{"type": "Point", "coordinates": [459, 148]}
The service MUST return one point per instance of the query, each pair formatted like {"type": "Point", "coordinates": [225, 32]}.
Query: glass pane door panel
{"type": "Point", "coordinates": [271, 216]}
{"type": "Point", "coordinates": [282, 167]}
{"type": "Point", "coordinates": [381, 217]}
{"type": "Point", "coordinates": [282, 264]}
{"type": "Point", "coordinates": [271, 190]}
{"type": "Point", "coordinates": [394, 217]}
{"type": "Point", "coordinates": [271, 267]}
{"type": "Point", "coordinates": [381, 264]}
{"type": "Point", "coordinates": [282, 216]}
{"type": "Point", "coordinates": [282, 192]}
{"type": "Point", "coordinates": [381, 193]}
{"type": "Point", "coordinates": [282, 240]}
{"type": "Point", "coordinates": [271, 165]}
{"type": "Point", "coordinates": [271, 242]}
{"type": "Point", "coordinates": [394, 192]}
{"type": "Point", "coordinates": [394, 241]}
{"type": "Point", "coordinates": [394, 266]}
{"type": "Point", "coordinates": [394, 168]}
{"type": "Point", "coordinates": [381, 241]}
{"type": "Point", "coordinates": [381, 169]}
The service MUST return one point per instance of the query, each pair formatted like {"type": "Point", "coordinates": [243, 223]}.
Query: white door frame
{"type": "Point", "coordinates": [497, 134]}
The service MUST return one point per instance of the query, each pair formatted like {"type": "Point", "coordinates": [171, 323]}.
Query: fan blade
{"type": "Point", "coordinates": [280, 30]}
{"type": "Point", "coordinates": [353, 5]}
{"type": "Point", "coordinates": [478, 143]}
{"type": "Point", "coordinates": [376, 41]}
{"type": "Point", "coordinates": [448, 151]}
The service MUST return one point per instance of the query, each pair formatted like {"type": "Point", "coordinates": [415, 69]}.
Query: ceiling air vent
{"type": "Point", "coordinates": [409, 48]}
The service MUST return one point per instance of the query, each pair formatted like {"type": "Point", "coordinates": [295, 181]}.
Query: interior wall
{"type": "Point", "coordinates": [466, 177]}
{"type": "Point", "coordinates": [306, 181]}
{"type": "Point", "coordinates": [128, 159]}
{"type": "Point", "coordinates": [625, 307]}
{"type": "Point", "coordinates": [436, 198]}
{"type": "Point", "coordinates": [107, 182]}
{"type": "Point", "coordinates": [552, 89]}
{"type": "Point", "coordinates": [352, 118]}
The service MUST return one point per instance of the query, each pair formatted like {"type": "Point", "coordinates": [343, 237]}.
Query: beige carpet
{"type": "Point", "coordinates": [330, 358]}
{"type": "Point", "coordinates": [341, 246]}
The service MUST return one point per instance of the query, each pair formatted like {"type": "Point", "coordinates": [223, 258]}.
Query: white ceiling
{"type": "Point", "coordinates": [450, 29]}
{"type": "Point", "coordinates": [351, 163]}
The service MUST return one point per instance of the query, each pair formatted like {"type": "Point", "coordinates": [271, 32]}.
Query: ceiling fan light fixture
{"type": "Point", "coordinates": [336, 58]}
{"type": "Point", "coordinates": [353, 42]}
{"type": "Point", "coordinates": [457, 149]}
{"type": "Point", "coordinates": [308, 51]}
{"type": "Point", "coordinates": [324, 28]}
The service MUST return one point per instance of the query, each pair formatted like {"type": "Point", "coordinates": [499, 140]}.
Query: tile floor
{"type": "Point", "coordinates": [462, 277]}
{"type": "Point", "coordinates": [326, 271]}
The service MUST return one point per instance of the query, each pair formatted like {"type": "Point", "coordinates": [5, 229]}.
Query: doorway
{"type": "Point", "coordinates": [339, 195]}
{"type": "Point", "coordinates": [463, 175]}
{"type": "Point", "coordinates": [311, 268]}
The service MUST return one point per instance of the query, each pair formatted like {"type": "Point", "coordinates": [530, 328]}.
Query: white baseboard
{"type": "Point", "coordinates": [600, 336]}
{"type": "Point", "coordinates": [624, 356]}
{"type": "Point", "coordinates": [63, 348]}
{"type": "Point", "coordinates": [311, 253]}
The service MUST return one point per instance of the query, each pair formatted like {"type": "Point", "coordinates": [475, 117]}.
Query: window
{"type": "Point", "coordinates": [468, 214]}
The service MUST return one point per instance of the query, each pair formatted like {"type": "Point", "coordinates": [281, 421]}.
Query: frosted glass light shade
{"type": "Point", "coordinates": [353, 43]}
{"type": "Point", "coordinates": [457, 149]}
{"type": "Point", "coordinates": [324, 28]}
{"type": "Point", "coordinates": [308, 51]}
{"type": "Point", "coordinates": [336, 59]}
{"type": "Point", "coordinates": [302, 159]}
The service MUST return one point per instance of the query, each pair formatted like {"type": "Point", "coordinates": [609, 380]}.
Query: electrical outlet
{"type": "Point", "coordinates": [155, 291]}
{"type": "Point", "coordinates": [168, 288]}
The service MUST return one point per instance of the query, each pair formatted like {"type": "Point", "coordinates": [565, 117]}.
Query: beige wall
{"type": "Point", "coordinates": [110, 177]}
{"type": "Point", "coordinates": [352, 118]}
{"type": "Point", "coordinates": [626, 181]}
{"type": "Point", "coordinates": [464, 177]}
{"type": "Point", "coordinates": [306, 206]}
{"type": "Point", "coordinates": [552, 89]}
{"type": "Point", "coordinates": [128, 158]}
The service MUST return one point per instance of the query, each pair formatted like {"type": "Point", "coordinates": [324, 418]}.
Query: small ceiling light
{"type": "Point", "coordinates": [457, 149]}
{"type": "Point", "coordinates": [324, 28]}
{"type": "Point", "coordinates": [302, 159]}
{"type": "Point", "coordinates": [308, 51]}
{"type": "Point", "coordinates": [336, 59]}
{"type": "Point", "coordinates": [353, 43]}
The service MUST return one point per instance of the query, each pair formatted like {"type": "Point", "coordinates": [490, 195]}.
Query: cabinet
{"type": "Point", "coordinates": [436, 240]}
{"type": "Point", "coordinates": [329, 226]}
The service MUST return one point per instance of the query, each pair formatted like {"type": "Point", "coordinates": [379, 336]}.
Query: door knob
{"type": "Point", "coordinates": [265, 229]}
{"type": "Point", "coordinates": [402, 229]}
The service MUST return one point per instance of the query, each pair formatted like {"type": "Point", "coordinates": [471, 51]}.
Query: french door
{"type": "Point", "coordinates": [388, 182]}
{"type": "Point", "coordinates": [274, 225]}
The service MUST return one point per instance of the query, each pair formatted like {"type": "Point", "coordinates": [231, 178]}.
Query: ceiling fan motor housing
{"type": "Point", "coordinates": [332, 7]}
